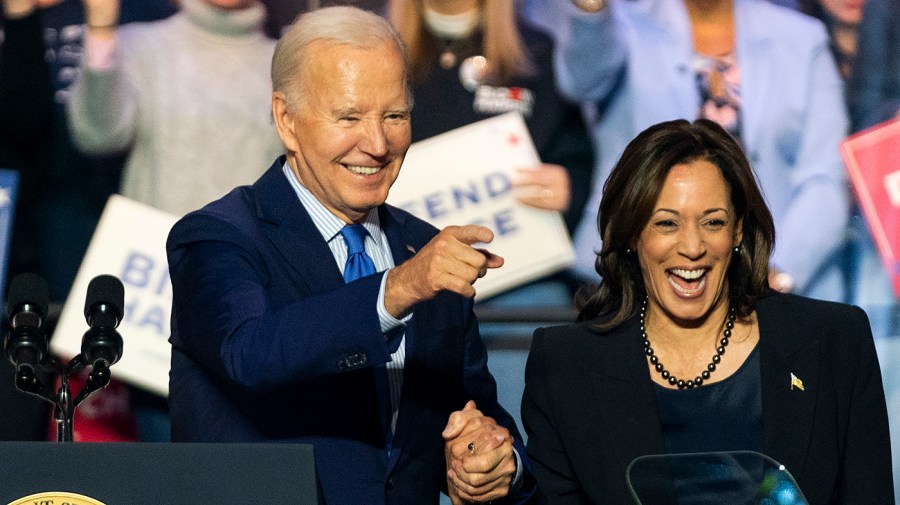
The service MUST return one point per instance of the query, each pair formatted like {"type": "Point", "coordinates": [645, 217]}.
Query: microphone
{"type": "Point", "coordinates": [101, 345]}
{"type": "Point", "coordinates": [26, 342]}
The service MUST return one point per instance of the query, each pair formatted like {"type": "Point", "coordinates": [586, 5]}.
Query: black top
{"type": "Point", "coordinates": [723, 416]}
{"type": "Point", "coordinates": [589, 406]}
{"type": "Point", "coordinates": [556, 126]}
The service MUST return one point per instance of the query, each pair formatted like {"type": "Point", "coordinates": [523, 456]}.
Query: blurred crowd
{"type": "Point", "coordinates": [168, 102]}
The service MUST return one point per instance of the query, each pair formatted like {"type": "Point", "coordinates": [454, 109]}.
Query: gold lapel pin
{"type": "Point", "coordinates": [796, 382]}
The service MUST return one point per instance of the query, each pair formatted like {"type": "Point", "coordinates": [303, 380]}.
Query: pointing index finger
{"type": "Point", "coordinates": [473, 234]}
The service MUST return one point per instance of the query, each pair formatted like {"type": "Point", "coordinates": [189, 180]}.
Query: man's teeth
{"type": "Point", "coordinates": [690, 275]}
{"type": "Point", "coordinates": [356, 169]}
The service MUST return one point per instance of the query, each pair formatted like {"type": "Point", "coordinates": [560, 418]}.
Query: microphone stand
{"type": "Point", "coordinates": [28, 381]}
{"type": "Point", "coordinates": [101, 346]}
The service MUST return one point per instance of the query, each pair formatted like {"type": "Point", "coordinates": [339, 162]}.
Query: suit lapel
{"type": "Point", "coordinates": [292, 232]}
{"type": "Point", "coordinates": [394, 226]}
{"type": "Point", "coordinates": [788, 410]}
{"type": "Point", "coordinates": [394, 229]}
{"type": "Point", "coordinates": [624, 388]}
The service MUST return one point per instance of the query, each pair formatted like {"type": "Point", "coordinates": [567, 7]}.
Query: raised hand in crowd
{"type": "Point", "coordinates": [102, 16]}
{"type": "Point", "coordinates": [14, 9]}
{"type": "Point", "coordinates": [545, 187]}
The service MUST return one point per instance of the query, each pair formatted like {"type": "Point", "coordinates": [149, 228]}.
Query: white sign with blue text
{"type": "Point", "coordinates": [129, 243]}
{"type": "Point", "coordinates": [464, 177]}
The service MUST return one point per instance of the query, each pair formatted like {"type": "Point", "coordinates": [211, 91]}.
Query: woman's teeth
{"type": "Point", "coordinates": [690, 275]}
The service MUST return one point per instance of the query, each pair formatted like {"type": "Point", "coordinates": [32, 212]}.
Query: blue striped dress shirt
{"type": "Point", "coordinates": [379, 249]}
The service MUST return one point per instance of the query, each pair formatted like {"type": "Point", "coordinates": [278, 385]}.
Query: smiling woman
{"type": "Point", "coordinates": [681, 181]}
{"type": "Point", "coordinates": [684, 253]}
{"type": "Point", "coordinates": [683, 348]}
{"type": "Point", "coordinates": [689, 191]}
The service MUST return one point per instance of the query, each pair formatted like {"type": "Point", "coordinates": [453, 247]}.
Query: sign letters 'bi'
{"type": "Point", "coordinates": [130, 243]}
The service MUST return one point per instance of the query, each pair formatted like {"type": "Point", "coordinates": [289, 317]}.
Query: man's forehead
{"type": "Point", "coordinates": [327, 56]}
{"type": "Point", "coordinates": [327, 44]}
{"type": "Point", "coordinates": [340, 71]}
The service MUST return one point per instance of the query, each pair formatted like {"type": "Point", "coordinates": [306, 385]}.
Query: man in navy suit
{"type": "Point", "coordinates": [386, 374]}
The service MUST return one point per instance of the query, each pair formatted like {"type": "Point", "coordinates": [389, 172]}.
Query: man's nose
{"type": "Point", "coordinates": [374, 141]}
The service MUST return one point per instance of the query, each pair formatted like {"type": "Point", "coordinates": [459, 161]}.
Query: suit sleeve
{"type": "Point", "coordinates": [818, 182]}
{"type": "Point", "coordinates": [591, 54]}
{"type": "Point", "coordinates": [228, 316]}
{"type": "Point", "coordinates": [866, 468]}
{"type": "Point", "coordinates": [557, 483]}
{"type": "Point", "coordinates": [103, 106]}
{"type": "Point", "coordinates": [479, 385]}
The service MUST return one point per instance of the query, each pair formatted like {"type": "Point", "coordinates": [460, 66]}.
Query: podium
{"type": "Point", "coordinates": [712, 478]}
{"type": "Point", "coordinates": [160, 473]}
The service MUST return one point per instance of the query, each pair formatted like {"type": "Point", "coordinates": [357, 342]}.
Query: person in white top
{"type": "Point", "coordinates": [186, 97]}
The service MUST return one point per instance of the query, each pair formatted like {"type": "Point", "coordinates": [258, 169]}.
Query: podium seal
{"type": "Point", "coordinates": [56, 498]}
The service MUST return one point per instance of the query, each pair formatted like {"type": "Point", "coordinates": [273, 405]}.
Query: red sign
{"type": "Point", "coordinates": [872, 157]}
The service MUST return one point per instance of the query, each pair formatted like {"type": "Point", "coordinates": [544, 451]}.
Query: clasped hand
{"type": "Point", "coordinates": [479, 454]}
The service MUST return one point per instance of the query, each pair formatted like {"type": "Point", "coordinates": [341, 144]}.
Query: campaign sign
{"type": "Point", "coordinates": [465, 177]}
{"type": "Point", "coordinates": [129, 243]}
{"type": "Point", "coordinates": [872, 157]}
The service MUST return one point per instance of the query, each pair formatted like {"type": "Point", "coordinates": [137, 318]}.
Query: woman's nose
{"type": "Point", "coordinates": [691, 243]}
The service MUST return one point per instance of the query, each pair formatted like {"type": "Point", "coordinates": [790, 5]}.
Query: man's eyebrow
{"type": "Point", "coordinates": [344, 111]}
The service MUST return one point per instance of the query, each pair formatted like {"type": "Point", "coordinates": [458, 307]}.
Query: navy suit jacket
{"type": "Point", "coordinates": [270, 344]}
{"type": "Point", "coordinates": [589, 406]}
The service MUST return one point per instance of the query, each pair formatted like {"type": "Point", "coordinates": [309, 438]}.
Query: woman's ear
{"type": "Point", "coordinates": [739, 232]}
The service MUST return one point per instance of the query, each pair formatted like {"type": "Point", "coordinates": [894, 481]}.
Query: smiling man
{"type": "Point", "coordinates": [307, 310]}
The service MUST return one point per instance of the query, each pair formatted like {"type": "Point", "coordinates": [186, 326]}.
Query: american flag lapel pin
{"type": "Point", "coordinates": [796, 382]}
{"type": "Point", "coordinates": [410, 249]}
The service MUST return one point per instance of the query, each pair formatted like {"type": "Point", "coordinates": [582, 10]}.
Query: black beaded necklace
{"type": "Point", "coordinates": [711, 367]}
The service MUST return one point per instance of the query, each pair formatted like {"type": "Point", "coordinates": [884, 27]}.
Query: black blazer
{"type": "Point", "coordinates": [589, 407]}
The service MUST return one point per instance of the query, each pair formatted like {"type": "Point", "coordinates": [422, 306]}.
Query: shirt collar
{"type": "Point", "coordinates": [326, 222]}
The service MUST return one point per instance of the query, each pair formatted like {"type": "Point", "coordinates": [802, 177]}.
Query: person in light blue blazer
{"type": "Point", "coordinates": [761, 70]}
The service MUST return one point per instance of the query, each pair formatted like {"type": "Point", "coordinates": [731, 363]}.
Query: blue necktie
{"type": "Point", "coordinates": [359, 264]}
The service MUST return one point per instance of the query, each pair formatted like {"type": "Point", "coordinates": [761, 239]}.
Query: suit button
{"type": "Point", "coordinates": [389, 485]}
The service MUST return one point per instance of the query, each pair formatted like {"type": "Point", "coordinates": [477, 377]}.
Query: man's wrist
{"type": "Point", "coordinates": [102, 32]}
{"type": "Point", "coordinates": [109, 26]}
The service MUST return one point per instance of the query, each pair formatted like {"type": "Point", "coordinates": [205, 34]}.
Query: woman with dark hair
{"type": "Point", "coordinates": [683, 347]}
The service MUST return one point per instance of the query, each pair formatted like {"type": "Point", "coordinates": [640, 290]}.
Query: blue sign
{"type": "Point", "coordinates": [9, 184]}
